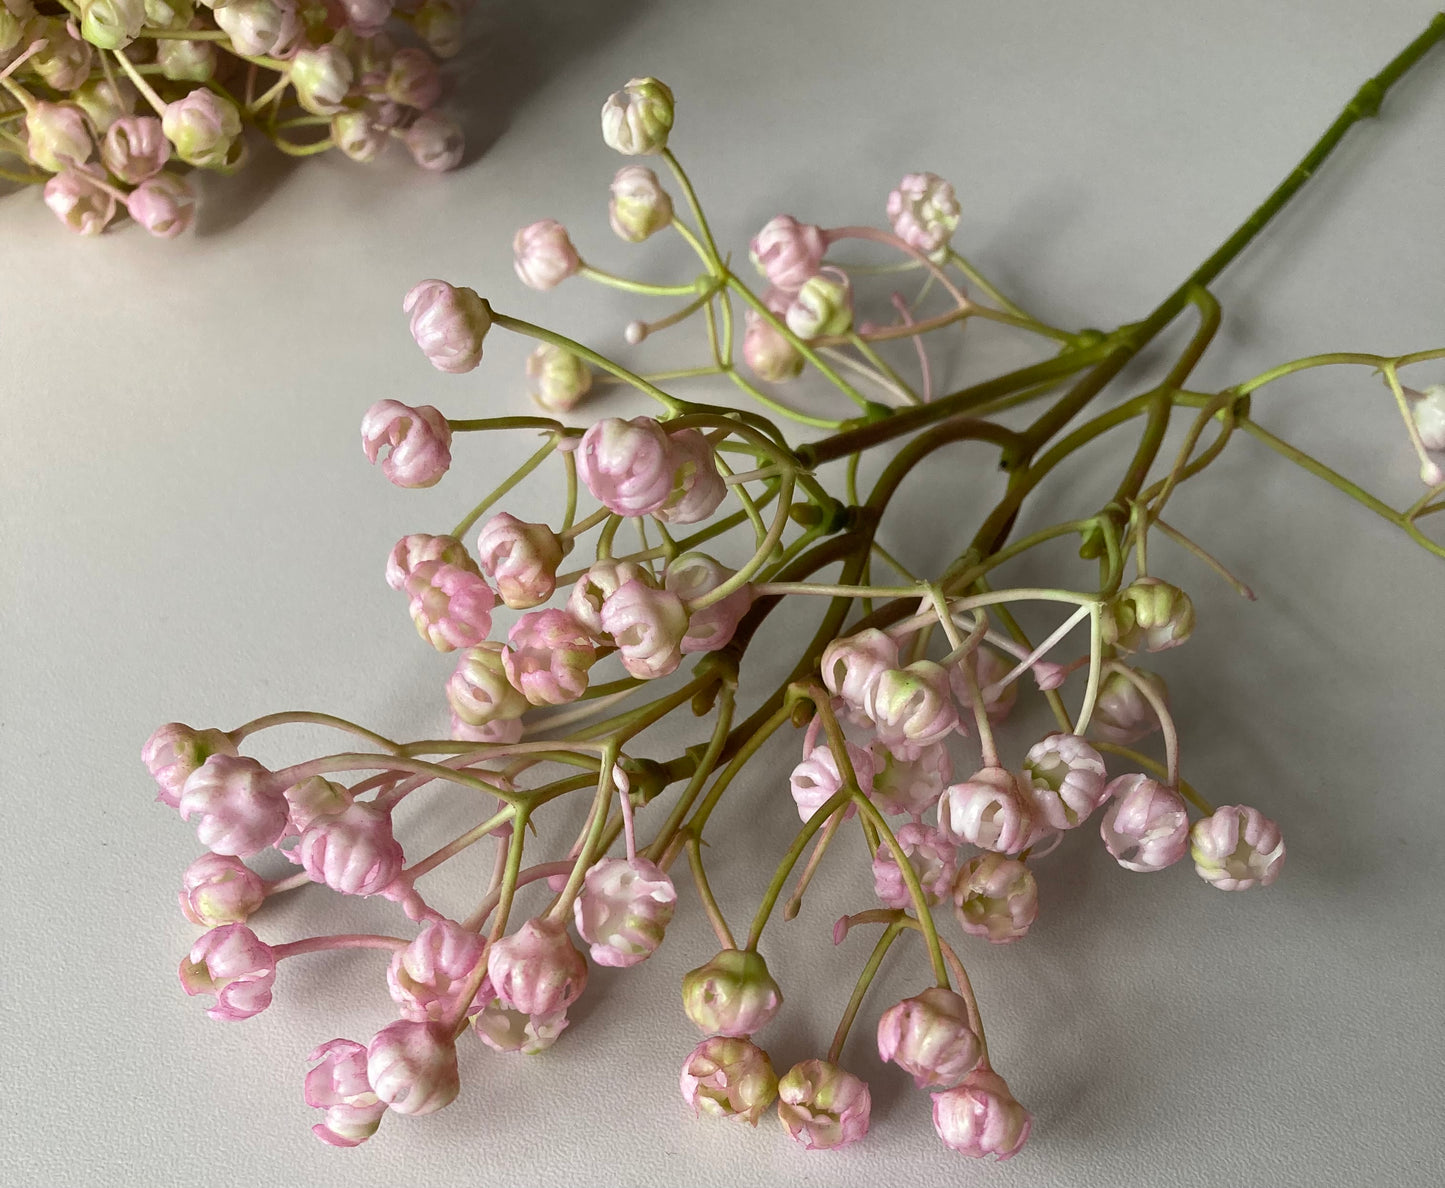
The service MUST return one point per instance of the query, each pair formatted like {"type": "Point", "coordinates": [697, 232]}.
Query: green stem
{"type": "Point", "coordinates": [497, 493]}
{"type": "Point", "coordinates": [865, 979]}
{"type": "Point", "coordinates": [704, 891]}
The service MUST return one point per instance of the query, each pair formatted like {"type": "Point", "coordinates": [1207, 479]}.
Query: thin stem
{"type": "Point", "coordinates": [865, 979]}
{"type": "Point", "coordinates": [1166, 719]}
{"type": "Point", "coordinates": [349, 940]}
{"type": "Point", "coordinates": [311, 717]}
{"type": "Point", "coordinates": [632, 286]}
{"type": "Point", "coordinates": [501, 490]}
{"type": "Point", "coordinates": [709, 903]}
{"type": "Point", "coordinates": [830, 830]}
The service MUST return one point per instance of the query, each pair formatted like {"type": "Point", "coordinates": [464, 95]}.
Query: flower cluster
{"type": "Point", "coordinates": [108, 105]}
{"type": "Point", "coordinates": [685, 526]}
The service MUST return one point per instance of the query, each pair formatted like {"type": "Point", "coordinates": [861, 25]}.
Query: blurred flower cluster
{"type": "Point", "coordinates": [108, 105]}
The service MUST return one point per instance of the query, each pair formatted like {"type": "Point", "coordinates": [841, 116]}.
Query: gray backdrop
{"type": "Point", "coordinates": [190, 531]}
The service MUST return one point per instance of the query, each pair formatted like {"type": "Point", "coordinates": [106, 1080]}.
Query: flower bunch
{"type": "Point", "coordinates": [637, 600]}
{"type": "Point", "coordinates": [109, 104]}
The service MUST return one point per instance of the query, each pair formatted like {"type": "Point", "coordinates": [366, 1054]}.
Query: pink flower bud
{"type": "Point", "coordinates": [353, 852]}
{"type": "Point", "coordinates": [420, 441]}
{"type": "Point", "coordinates": [451, 606]}
{"type": "Point", "coordinates": [411, 551]}
{"type": "Point", "coordinates": [412, 1066]}
{"type": "Point", "coordinates": [981, 1117]}
{"type": "Point", "coordinates": [596, 586]}
{"type": "Point", "coordinates": [426, 979]}
{"type": "Point", "coordinates": [627, 465]}
{"type": "Point", "coordinates": [504, 1030]}
{"type": "Point", "coordinates": [499, 731]}
{"type": "Point", "coordinates": [767, 350]}
{"type": "Point", "coordinates": [448, 323]}
{"type": "Point", "coordinates": [1146, 826]}
{"type": "Point", "coordinates": [537, 970]}
{"type": "Point", "coordinates": [231, 963]}
{"type": "Point", "coordinates": [436, 143]}
{"type": "Point", "coordinates": [623, 909]}
{"type": "Point", "coordinates": [186, 61]}
{"type": "Point", "coordinates": [135, 148]}
{"type": "Point", "coordinates": [549, 657]}
{"type": "Point", "coordinates": [733, 994]}
{"type": "Point", "coordinates": [912, 707]}
{"type": "Point", "coordinates": [853, 666]}
{"type": "Point", "coordinates": [913, 785]}
{"type": "Point", "coordinates": [104, 101]}
{"type": "Point", "coordinates": [1148, 614]}
{"type": "Point", "coordinates": [78, 199]}
{"type": "Point", "coordinates": [57, 136]}
{"type": "Point", "coordinates": [414, 79]}
{"type": "Point", "coordinates": [637, 119]}
{"type": "Point", "coordinates": [1429, 414]}
{"type": "Point", "coordinates": [174, 751]}
{"type": "Point", "coordinates": [479, 691]}
{"type": "Point", "coordinates": [726, 1077]}
{"type": "Point", "coordinates": [1237, 848]}
{"type": "Point", "coordinates": [253, 26]}
{"type": "Point", "coordinates": [360, 136]}
{"type": "Point", "coordinates": [165, 205]}
{"type": "Point", "coordinates": [543, 255]}
{"type": "Point", "coordinates": [932, 857]}
{"type": "Point", "coordinates": [988, 810]}
{"type": "Point", "coordinates": [640, 207]}
{"type": "Point", "coordinates": [439, 24]}
{"type": "Point", "coordinates": [697, 487]}
{"type": "Point", "coordinates": [691, 576]}
{"type": "Point", "coordinates": [822, 1106]}
{"type": "Point", "coordinates": [648, 625]}
{"type": "Point", "coordinates": [1066, 779]}
{"type": "Point", "coordinates": [924, 213]}
{"type": "Point", "coordinates": [824, 305]}
{"type": "Point", "coordinates": [241, 811]}
{"type": "Point", "coordinates": [218, 889]}
{"type": "Point", "coordinates": [995, 897]}
{"type": "Point", "coordinates": [816, 779]}
{"type": "Point", "coordinates": [557, 378]}
{"type": "Point", "coordinates": [339, 1086]}
{"type": "Point", "coordinates": [367, 18]}
{"type": "Point", "coordinates": [1122, 714]}
{"type": "Point", "coordinates": [321, 77]}
{"type": "Point", "coordinates": [313, 799]}
{"type": "Point", "coordinates": [205, 129]}
{"type": "Point", "coordinates": [929, 1038]}
{"type": "Point", "coordinates": [65, 62]}
{"type": "Point", "coordinates": [788, 252]}
{"type": "Point", "coordinates": [520, 558]}
{"type": "Point", "coordinates": [988, 667]}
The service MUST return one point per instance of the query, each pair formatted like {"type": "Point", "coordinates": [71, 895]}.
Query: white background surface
{"type": "Point", "coordinates": [190, 531]}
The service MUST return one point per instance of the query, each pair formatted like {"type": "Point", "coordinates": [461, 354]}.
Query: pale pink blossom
{"type": "Point", "coordinates": [697, 487]}
{"type": "Point", "coordinates": [165, 205]}
{"type": "Point", "coordinates": [520, 558]}
{"type": "Point", "coordinates": [1146, 826]}
{"type": "Point", "coordinates": [412, 1066]}
{"type": "Point", "coordinates": [640, 207]}
{"type": "Point", "coordinates": [930, 1038]}
{"type": "Point", "coordinates": [479, 691]}
{"type": "Point", "coordinates": [218, 889]}
{"type": "Point", "coordinates": [232, 963]}
{"type": "Point", "coordinates": [321, 76]}
{"type": "Point", "coordinates": [353, 852]}
{"type": "Point", "coordinates": [105, 101]}
{"type": "Point", "coordinates": [692, 575]}
{"type": "Point", "coordinates": [768, 352]}
{"type": "Point", "coordinates": [648, 626]}
{"type": "Point", "coordinates": [995, 897]}
{"type": "Point", "coordinates": [420, 442]}
{"type": "Point", "coordinates": [912, 707]}
{"type": "Point", "coordinates": [823, 306]}
{"type": "Point", "coordinates": [506, 1030]}
{"type": "Point", "coordinates": [989, 810]}
{"type": "Point", "coordinates": [1066, 780]}
{"type": "Point", "coordinates": [450, 605]}
{"type": "Point", "coordinates": [788, 252]}
{"type": "Point", "coordinates": [360, 135]}
{"type": "Point", "coordinates": [338, 1085]}
{"type": "Point", "coordinates": [1429, 413]}
{"type": "Point", "coordinates": [112, 24]}
{"type": "Point", "coordinates": [732, 995]}
{"type": "Point", "coordinates": [1148, 614]}
{"type": "Point", "coordinates": [186, 61]}
{"type": "Point", "coordinates": [817, 779]}
{"type": "Point", "coordinates": [988, 667]}
{"type": "Point", "coordinates": [313, 798]}
{"type": "Point", "coordinates": [499, 731]}
{"type": "Point", "coordinates": [623, 909]}
{"type": "Point", "coordinates": [728, 1077]}
{"type": "Point", "coordinates": [1236, 848]}
{"type": "Point", "coordinates": [537, 970]}
{"type": "Point", "coordinates": [637, 119]}
{"type": "Point", "coordinates": [543, 255]}
{"type": "Point", "coordinates": [135, 148]}
{"type": "Point", "coordinates": [411, 551]}
{"type": "Point", "coordinates": [80, 200]}
{"type": "Point", "coordinates": [427, 978]}
{"type": "Point", "coordinates": [436, 143]}
{"type": "Point", "coordinates": [253, 26]}
{"type": "Point", "coordinates": [924, 213]}
{"type": "Point", "coordinates": [239, 808]}
{"type": "Point", "coordinates": [175, 750]}
{"type": "Point", "coordinates": [822, 1106]}
{"type": "Point", "coordinates": [981, 1117]}
{"type": "Point", "coordinates": [853, 666]}
{"type": "Point", "coordinates": [56, 135]}
{"type": "Point", "coordinates": [448, 323]}
{"type": "Point", "coordinates": [1122, 714]}
{"type": "Point", "coordinates": [910, 786]}
{"type": "Point", "coordinates": [413, 79]}
{"type": "Point", "coordinates": [557, 378]}
{"type": "Point", "coordinates": [628, 466]}
{"type": "Point", "coordinates": [549, 657]}
{"type": "Point", "coordinates": [592, 590]}
{"type": "Point", "coordinates": [204, 128]}
{"type": "Point", "coordinates": [933, 858]}
{"type": "Point", "coordinates": [439, 24]}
